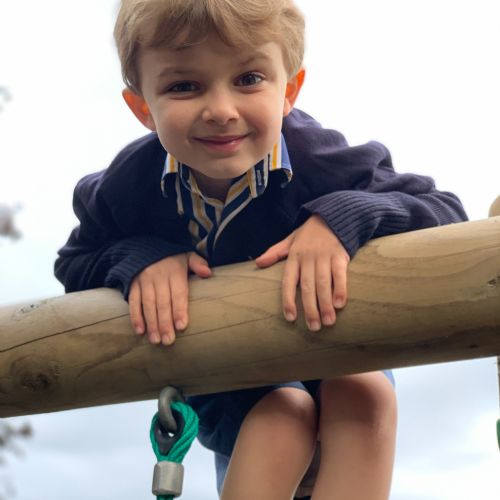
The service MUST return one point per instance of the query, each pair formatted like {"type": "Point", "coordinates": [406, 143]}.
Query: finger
{"type": "Point", "coordinates": [148, 296]}
{"type": "Point", "coordinates": [135, 308]}
{"type": "Point", "coordinates": [324, 291]}
{"type": "Point", "coordinates": [180, 293]}
{"type": "Point", "coordinates": [308, 293]}
{"type": "Point", "coordinates": [339, 273]}
{"type": "Point", "coordinates": [289, 289]}
{"type": "Point", "coordinates": [166, 331]}
{"type": "Point", "coordinates": [198, 265]}
{"type": "Point", "coordinates": [273, 254]}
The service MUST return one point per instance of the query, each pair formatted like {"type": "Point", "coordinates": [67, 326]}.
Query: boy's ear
{"type": "Point", "coordinates": [138, 106]}
{"type": "Point", "coordinates": [293, 87]}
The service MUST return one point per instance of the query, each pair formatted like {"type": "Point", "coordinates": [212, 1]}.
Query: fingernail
{"type": "Point", "coordinates": [289, 317]}
{"type": "Point", "coordinates": [314, 326]}
{"type": "Point", "coordinates": [139, 330]}
{"type": "Point", "coordinates": [328, 320]}
{"type": "Point", "coordinates": [338, 303]}
{"type": "Point", "coordinates": [155, 338]}
{"type": "Point", "coordinates": [179, 324]}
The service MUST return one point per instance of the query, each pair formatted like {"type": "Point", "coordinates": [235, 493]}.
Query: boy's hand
{"type": "Point", "coordinates": [317, 260]}
{"type": "Point", "coordinates": [158, 298]}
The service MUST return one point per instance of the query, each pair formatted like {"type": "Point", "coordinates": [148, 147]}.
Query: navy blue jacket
{"type": "Point", "coordinates": [126, 223]}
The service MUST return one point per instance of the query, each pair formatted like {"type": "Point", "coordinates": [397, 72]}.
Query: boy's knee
{"type": "Point", "coordinates": [368, 398]}
{"type": "Point", "coordinates": [287, 410]}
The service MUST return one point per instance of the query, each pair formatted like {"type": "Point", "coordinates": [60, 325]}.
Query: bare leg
{"type": "Point", "coordinates": [357, 430]}
{"type": "Point", "coordinates": [274, 447]}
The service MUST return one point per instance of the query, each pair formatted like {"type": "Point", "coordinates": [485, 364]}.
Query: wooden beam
{"type": "Point", "coordinates": [422, 297]}
{"type": "Point", "coordinates": [494, 212]}
{"type": "Point", "coordinates": [495, 208]}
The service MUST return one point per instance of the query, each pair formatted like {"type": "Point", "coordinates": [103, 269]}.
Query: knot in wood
{"type": "Point", "coordinates": [36, 374]}
{"type": "Point", "coordinates": [36, 381]}
{"type": "Point", "coordinates": [495, 281]}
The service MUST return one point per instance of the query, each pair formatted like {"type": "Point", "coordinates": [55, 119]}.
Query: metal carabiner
{"type": "Point", "coordinates": [170, 423]}
{"type": "Point", "coordinates": [165, 415]}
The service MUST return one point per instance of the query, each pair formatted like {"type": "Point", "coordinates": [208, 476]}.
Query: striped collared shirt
{"type": "Point", "coordinates": [208, 216]}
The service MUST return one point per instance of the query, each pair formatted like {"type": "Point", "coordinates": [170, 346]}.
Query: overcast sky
{"type": "Point", "coordinates": [421, 77]}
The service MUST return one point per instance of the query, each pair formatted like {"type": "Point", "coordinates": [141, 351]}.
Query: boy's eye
{"type": "Point", "coordinates": [249, 79]}
{"type": "Point", "coordinates": [183, 87]}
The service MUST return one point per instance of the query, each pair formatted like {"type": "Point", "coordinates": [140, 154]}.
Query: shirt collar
{"type": "Point", "coordinates": [277, 160]}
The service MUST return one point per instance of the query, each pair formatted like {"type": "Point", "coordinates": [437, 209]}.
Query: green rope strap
{"type": "Point", "coordinates": [182, 445]}
{"type": "Point", "coordinates": [498, 433]}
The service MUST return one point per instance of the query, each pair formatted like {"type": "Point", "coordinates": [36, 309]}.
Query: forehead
{"type": "Point", "coordinates": [209, 51]}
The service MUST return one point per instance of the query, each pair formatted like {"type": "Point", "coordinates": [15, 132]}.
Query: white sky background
{"type": "Point", "coordinates": [421, 77]}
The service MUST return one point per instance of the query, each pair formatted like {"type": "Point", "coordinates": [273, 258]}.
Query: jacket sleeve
{"type": "Point", "coordinates": [119, 233]}
{"type": "Point", "coordinates": [358, 193]}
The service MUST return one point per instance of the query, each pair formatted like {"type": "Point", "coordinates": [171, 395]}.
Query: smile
{"type": "Point", "coordinates": [223, 143]}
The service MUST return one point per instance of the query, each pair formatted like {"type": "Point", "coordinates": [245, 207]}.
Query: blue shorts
{"type": "Point", "coordinates": [222, 414]}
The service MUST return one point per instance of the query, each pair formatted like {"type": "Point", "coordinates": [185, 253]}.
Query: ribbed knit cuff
{"type": "Point", "coordinates": [356, 217]}
{"type": "Point", "coordinates": [130, 256]}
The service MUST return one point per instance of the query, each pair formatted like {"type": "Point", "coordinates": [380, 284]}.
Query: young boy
{"type": "Point", "coordinates": [232, 172]}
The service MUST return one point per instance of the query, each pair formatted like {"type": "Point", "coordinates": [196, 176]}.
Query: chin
{"type": "Point", "coordinates": [231, 172]}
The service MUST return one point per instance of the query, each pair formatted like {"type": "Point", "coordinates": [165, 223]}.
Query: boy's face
{"type": "Point", "coordinates": [216, 108]}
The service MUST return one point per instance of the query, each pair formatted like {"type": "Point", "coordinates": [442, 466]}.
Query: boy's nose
{"type": "Point", "coordinates": [220, 107]}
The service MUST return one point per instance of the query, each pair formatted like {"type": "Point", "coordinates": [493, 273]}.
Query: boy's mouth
{"type": "Point", "coordinates": [222, 142]}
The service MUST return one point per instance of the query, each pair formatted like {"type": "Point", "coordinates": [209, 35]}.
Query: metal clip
{"type": "Point", "coordinates": [170, 423]}
{"type": "Point", "coordinates": [165, 415]}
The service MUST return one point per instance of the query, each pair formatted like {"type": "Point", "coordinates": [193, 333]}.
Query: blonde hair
{"type": "Point", "coordinates": [143, 24]}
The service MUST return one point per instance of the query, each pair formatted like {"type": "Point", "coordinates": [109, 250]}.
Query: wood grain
{"type": "Point", "coordinates": [416, 298]}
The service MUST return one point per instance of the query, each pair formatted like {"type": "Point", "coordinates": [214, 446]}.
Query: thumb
{"type": "Point", "coordinates": [277, 252]}
{"type": "Point", "coordinates": [198, 265]}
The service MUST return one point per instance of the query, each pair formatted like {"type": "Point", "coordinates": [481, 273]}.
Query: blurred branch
{"type": "Point", "coordinates": [7, 227]}
{"type": "Point", "coordinates": [4, 96]}
{"type": "Point", "coordinates": [8, 435]}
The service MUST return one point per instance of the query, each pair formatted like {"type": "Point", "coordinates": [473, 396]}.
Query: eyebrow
{"type": "Point", "coordinates": [169, 70]}
{"type": "Point", "coordinates": [173, 70]}
{"type": "Point", "coordinates": [255, 57]}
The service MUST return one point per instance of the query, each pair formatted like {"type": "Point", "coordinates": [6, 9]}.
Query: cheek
{"type": "Point", "coordinates": [268, 116]}
{"type": "Point", "coordinates": [275, 122]}
{"type": "Point", "coordinates": [172, 125]}
{"type": "Point", "coordinates": [275, 110]}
